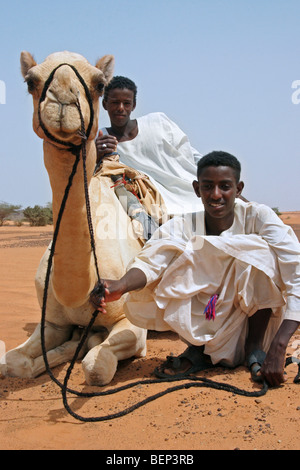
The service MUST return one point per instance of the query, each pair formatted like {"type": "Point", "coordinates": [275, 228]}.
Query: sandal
{"type": "Point", "coordinates": [194, 354]}
{"type": "Point", "coordinates": [254, 362]}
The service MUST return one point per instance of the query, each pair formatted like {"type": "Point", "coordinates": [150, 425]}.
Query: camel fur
{"type": "Point", "coordinates": [73, 273]}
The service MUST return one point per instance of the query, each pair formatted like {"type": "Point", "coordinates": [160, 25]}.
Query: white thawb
{"type": "Point", "coordinates": [255, 264]}
{"type": "Point", "coordinates": [163, 152]}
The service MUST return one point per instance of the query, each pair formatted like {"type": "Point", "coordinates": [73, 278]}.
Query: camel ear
{"type": "Point", "coordinates": [106, 64]}
{"type": "Point", "coordinates": [27, 62]}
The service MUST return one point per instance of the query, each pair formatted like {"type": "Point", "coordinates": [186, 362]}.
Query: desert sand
{"type": "Point", "coordinates": [33, 416]}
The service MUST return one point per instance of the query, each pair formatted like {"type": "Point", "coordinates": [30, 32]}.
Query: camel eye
{"type": "Point", "coordinates": [100, 87]}
{"type": "Point", "coordinates": [31, 84]}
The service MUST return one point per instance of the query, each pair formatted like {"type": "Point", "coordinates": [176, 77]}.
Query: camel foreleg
{"type": "Point", "coordinates": [26, 361]}
{"type": "Point", "coordinates": [124, 341]}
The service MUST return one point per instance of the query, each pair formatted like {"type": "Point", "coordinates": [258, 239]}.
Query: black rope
{"type": "Point", "coordinates": [49, 266]}
{"type": "Point", "coordinates": [87, 201]}
{"type": "Point", "coordinates": [194, 381]}
{"type": "Point", "coordinates": [200, 382]}
{"type": "Point", "coordinates": [75, 150]}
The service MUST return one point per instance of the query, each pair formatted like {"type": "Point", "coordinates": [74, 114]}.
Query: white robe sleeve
{"type": "Point", "coordinates": [162, 151]}
{"type": "Point", "coordinates": [284, 243]}
{"type": "Point", "coordinates": [156, 255]}
{"type": "Point", "coordinates": [180, 141]}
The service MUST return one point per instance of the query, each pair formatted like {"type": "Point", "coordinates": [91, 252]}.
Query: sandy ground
{"type": "Point", "coordinates": [32, 414]}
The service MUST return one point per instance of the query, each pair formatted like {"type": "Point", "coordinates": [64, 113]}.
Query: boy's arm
{"type": "Point", "coordinates": [273, 366]}
{"type": "Point", "coordinates": [134, 279]}
{"type": "Point", "coordinates": [284, 243]}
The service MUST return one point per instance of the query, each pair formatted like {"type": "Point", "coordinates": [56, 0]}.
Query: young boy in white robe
{"type": "Point", "coordinates": [152, 144]}
{"type": "Point", "coordinates": [226, 279]}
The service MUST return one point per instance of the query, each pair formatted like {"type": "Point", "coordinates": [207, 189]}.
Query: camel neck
{"type": "Point", "coordinates": [73, 276]}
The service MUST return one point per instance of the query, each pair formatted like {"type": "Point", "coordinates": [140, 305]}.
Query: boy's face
{"type": "Point", "coordinates": [119, 105]}
{"type": "Point", "coordinates": [218, 188]}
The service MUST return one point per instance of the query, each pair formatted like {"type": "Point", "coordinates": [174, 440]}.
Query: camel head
{"type": "Point", "coordinates": [58, 106]}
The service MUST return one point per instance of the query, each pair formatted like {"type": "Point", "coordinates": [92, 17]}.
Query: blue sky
{"type": "Point", "coordinates": [223, 70]}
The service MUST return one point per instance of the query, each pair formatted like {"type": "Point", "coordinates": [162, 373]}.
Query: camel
{"type": "Point", "coordinates": [57, 120]}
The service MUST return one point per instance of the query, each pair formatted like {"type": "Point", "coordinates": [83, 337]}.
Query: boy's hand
{"type": "Point", "coordinates": [113, 291]}
{"type": "Point", "coordinates": [273, 367]}
{"type": "Point", "coordinates": [105, 144]}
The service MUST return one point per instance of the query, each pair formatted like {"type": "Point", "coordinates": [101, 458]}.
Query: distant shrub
{"type": "Point", "coordinates": [7, 210]}
{"type": "Point", "coordinates": [38, 216]}
{"type": "Point", "coordinates": [276, 210]}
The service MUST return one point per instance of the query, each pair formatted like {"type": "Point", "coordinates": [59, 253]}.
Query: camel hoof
{"type": "Point", "coordinates": [15, 364]}
{"type": "Point", "coordinates": [99, 366]}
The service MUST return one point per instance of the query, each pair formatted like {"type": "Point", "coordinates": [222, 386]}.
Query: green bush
{"type": "Point", "coordinates": [38, 216]}
{"type": "Point", "coordinates": [7, 210]}
{"type": "Point", "coordinates": [276, 210]}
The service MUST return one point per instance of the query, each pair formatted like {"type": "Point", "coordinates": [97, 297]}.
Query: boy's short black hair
{"type": "Point", "coordinates": [120, 82]}
{"type": "Point", "coordinates": [220, 158]}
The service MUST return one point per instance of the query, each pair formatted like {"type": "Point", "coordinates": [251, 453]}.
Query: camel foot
{"type": "Point", "coordinates": [99, 366]}
{"type": "Point", "coordinates": [15, 364]}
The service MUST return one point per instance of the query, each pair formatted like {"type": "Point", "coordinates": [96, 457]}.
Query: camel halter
{"type": "Point", "coordinates": [194, 381]}
{"type": "Point", "coordinates": [72, 147]}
